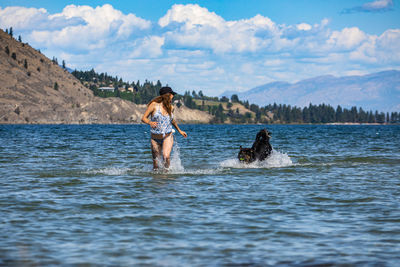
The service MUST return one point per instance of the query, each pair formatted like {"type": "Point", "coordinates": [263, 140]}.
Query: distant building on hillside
{"type": "Point", "coordinates": [106, 89]}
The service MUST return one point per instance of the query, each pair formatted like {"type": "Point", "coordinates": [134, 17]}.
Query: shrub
{"type": "Point", "coordinates": [14, 56]}
{"type": "Point", "coordinates": [56, 86]}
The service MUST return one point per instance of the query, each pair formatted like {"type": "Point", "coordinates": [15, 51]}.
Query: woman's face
{"type": "Point", "coordinates": [171, 96]}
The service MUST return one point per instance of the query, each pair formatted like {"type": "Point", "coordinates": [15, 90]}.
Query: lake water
{"type": "Point", "coordinates": [87, 195]}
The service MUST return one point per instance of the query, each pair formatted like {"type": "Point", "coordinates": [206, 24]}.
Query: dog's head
{"type": "Point", "coordinates": [263, 135]}
{"type": "Point", "coordinates": [246, 155]}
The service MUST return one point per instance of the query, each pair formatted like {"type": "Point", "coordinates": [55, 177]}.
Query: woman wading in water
{"type": "Point", "coordinates": [160, 109]}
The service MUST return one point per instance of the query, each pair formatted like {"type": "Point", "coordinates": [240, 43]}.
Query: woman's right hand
{"type": "Point", "coordinates": [183, 133]}
{"type": "Point", "coordinates": [153, 124]}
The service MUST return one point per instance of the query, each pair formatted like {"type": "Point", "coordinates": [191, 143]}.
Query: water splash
{"type": "Point", "coordinates": [112, 171]}
{"type": "Point", "coordinates": [276, 160]}
{"type": "Point", "coordinates": [176, 164]}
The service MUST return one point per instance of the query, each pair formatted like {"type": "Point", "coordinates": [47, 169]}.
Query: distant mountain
{"type": "Point", "coordinates": [377, 91]}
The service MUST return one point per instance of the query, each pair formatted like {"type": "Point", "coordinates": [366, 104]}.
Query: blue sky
{"type": "Point", "coordinates": [213, 46]}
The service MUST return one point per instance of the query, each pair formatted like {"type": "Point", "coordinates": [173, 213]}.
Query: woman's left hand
{"type": "Point", "coordinates": [183, 133]}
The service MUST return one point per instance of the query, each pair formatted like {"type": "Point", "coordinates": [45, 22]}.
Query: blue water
{"type": "Point", "coordinates": [87, 195]}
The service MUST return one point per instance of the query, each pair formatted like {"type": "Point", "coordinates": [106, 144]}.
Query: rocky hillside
{"type": "Point", "coordinates": [35, 90]}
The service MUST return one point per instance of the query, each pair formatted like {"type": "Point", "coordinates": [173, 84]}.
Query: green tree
{"type": "Point", "coordinates": [248, 116]}
{"type": "Point", "coordinates": [258, 116]}
{"type": "Point", "coordinates": [339, 114]}
{"type": "Point", "coordinates": [224, 99]}
{"type": "Point", "coordinates": [63, 64]}
{"type": "Point", "coordinates": [25, 64]}
{"type": "Point", "coordinates": [306, 115]}
{"type": "Point", "coordinates": [220, 116]}
{"type": "Point", "coordinates": [235, 98]}
{"type": "Point", "coordinates": [55, 86]}
{"type": "Point", "coordinates": [19, 39]}
{"type": "Point", "coordinates": [254, 108]}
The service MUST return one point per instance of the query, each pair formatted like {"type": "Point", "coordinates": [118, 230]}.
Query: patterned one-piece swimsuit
{"type": "Point", "coordinates": [164, 125]}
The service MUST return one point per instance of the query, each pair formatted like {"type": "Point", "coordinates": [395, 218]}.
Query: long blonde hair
{"type": "Point", "coordinates": [165, 100]}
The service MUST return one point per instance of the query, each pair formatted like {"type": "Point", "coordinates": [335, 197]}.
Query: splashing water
{"type": "Point", "coordinates": [111, 171]}
{"type": "Point", "coordinates": [176, 164]}
{"type": "Point", "coordinates": [275, 160]}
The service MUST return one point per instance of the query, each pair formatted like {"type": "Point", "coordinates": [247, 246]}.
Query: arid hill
{"type": "Point", "coordinates": [33, 89]}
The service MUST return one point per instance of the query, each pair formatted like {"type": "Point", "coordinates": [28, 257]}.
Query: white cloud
{"type": "Point", "coordinates": [76, 28]}
{"type": "Point", "coordinates": [148, 47]}
{"type": "Point", "coordinates": [348, 38]}
{"type": "Point", "coordinates": [194, 27]}
{"type": "Point", "coordinates": [387, 46]}
{"type": "Point", "coordinates": [378, 5]}
{"type": "Point", "coordinates": [374, 6]}
{"type": "Point", "coordinates": [191, 15]}
{"type": "Point", "coordinates": [303, 26]}
{"type": "Point", "coordinates": [27, 19]}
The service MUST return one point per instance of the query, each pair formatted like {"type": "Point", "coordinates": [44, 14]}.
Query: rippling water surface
{"type": "Point", "coordinates": [78, 195]}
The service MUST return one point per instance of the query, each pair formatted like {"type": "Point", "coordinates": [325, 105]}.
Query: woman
{"type": "Point", "coordinates": [160, 109]}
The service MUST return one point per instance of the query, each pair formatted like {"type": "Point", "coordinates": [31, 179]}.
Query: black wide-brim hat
{"type": "Point", "coordinates": [166, 90]}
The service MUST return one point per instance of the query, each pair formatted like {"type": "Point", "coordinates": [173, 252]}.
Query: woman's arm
{"type": "Point", "coordinates": [145, 118]}
{"type": "Point", "coordinates": [177, 127]}
{"type": "Point", "coordinates": [173, 122]}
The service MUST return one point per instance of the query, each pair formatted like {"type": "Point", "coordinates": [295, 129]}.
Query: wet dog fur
{"type": "Point", "coordinates": [260, 150]}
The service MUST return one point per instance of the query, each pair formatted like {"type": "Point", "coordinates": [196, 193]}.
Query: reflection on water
{"type": "Point", "coordinates": [87, 194]}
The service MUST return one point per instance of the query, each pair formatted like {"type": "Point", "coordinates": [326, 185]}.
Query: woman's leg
{"type": "Point", "coordinates": [166, 150]}
{"type": "Point", "coordinates": [156, 153]}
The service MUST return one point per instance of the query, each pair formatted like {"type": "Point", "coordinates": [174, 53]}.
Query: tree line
{"type": "Point", "coordinates": [222, 108]}
{"type": "Point", "coordinates": [141, 93]}
{"type": "Point", "coordinates": [274, 113]}
{"type": "Point", "coordinates": [323, 113]}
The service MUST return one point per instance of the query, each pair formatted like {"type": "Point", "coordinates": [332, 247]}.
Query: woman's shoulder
{"type": "Point", "coordinates": [153, 104]}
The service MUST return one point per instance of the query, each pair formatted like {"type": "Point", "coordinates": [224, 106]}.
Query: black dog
{"type": "Point", "coordinates": [260, 150]}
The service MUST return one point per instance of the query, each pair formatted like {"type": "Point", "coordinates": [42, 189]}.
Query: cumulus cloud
{"type": "Point", "coordinates": [27, 19]}
{"type": "Point", "coordinates": [303, 26]}
{"type": "Point", "coordinates": [348, 38]}
{"type": "Point", "coordinates": [374, 6]}
{"type": "Point", "coordinates": [76, 28]}
{"type": "Point", "coordinates": [194, 27]}
{"type": "Point", "coordinates": [148, 47]}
